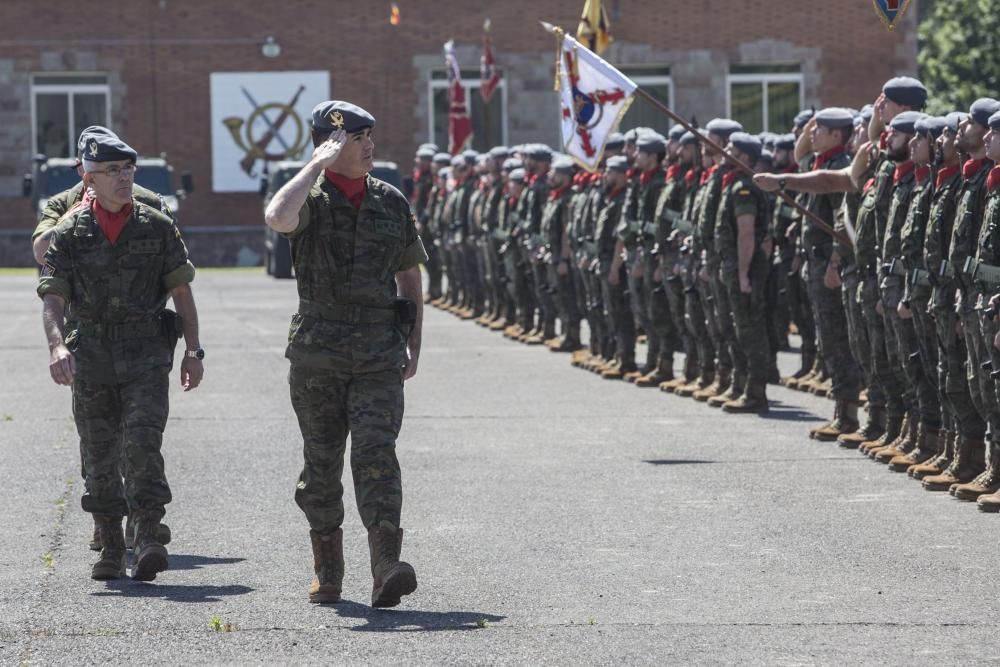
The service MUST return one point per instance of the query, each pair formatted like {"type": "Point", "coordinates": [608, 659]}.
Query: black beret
{"type": "Point", "coordinates": [905, 122]}
{"type": "Point", "coordinates": [766, 156]}
{"type": "Point", "coordinates": [107, 148]}
{"type": "Point", "coordinates": [442, 158]}
{"type": "Point", "coordinates": [334, 115]}
{"type": "Point", "coordinates": [93, 130]}
{"type": "Point", "coordinates": [458, 161]}
{"type": "Point", "coordinates": [688, 138]}
{"type": "Point", "coordinates": [723, 127]}
{"type": "Point", "coordinates": [562, 164]}
{"type": "Point", "coordinates": [802, 117]}
{"type": "Point", "coordinates": [747, 143]}
{"type": "Point", "coordinates": [539, 152]}
{"type": "Point", "coordinates": [512, 163]}
{"type": "Point", "coordinates": [905, 90]}
{"type": "Point", "coordinates": [618, 163]}
{"type": "Point", "coordinates": [499, 152]}
{"type": "Point", "coordinates": [433, 147]}
{"type": "Point", "coordinates": [615, 140]}
{"type": "Point", "coordinates": [867, 111]}
{"type": "Point", "coordinates": [426, 152]}
{"type": "Point", "coordinates": [632, 135]}
{"type": "Point", "coordinates": [470, 156]}
{"type": "Point", "coordinates": [767, 139]}
{"type": "Point", "coordinates": [954, 119]}
{"type": "Point", "coordinates": [834, 118]}
{"type": "Point", "coordinates": [995, 121]}
{"type": "Point", "coordinates": [982, 109]}
{"type": "Point", "coordinates": [785, 142]}
{"type": "Point", "coordinates": [651, 143]}
{"type": "Point", "coordinates": [676, 132]}
{"type": "Point", "coordinates": [517, 175]}
{"type": "Point", "coordinates": [931, 126]}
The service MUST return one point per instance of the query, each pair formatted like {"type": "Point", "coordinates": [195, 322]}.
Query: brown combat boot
{"type": "Point", "coordinates": [701, 382]}
{"type": "Point", "coordinates": [328, 564]}
{"type": "Point", "coordinates": [393, 578]}
{"type": "Point", "coordinates": [807, 367]}
{"type": "Point", "coordinates": [150, 556]}
{"type": "Point", "coordinates": [904, 444]}
{"type": "Point", "coordinates": [95, 537]}
{"type": "Point", "coordinates": [872, 430]}
{"type": "Point", "coordinates": [111, 564]}
{"type": "Point", "coordinates": [968, 462]}
{"type": "Point", "coordinates": [163, 537]}
{"type": "Point", "coordinates": [753, 401]}
{"type": "Point", "coordinates": [664, 372]}
{"type": "Point", "coordinates": [893, 427]}
{"type": "Point", "coordinates": [824, 388]}
{"type": "Point", "coordinates": [926, 448]}
{"type": "Point", "coordinates": [723, 379]}
{"type": "Point", "coordinates": [733, 393]}
{"type": "Point", "coordinates": [989, 502]}
{"type": "Point", "coordinates": [985, 483]}
{"type": "Point", "coordinates": [938, 464]}
{"type": "Point", "coordinates": [845, 420]}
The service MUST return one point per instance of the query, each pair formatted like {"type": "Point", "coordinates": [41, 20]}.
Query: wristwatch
{"type": "Point", "coordinates": [781, 184]}
{"type": "Point", "coordinates": [195, 354]}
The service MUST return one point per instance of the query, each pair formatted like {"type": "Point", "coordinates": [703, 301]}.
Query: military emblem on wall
{"type": "Point", "coordinates": [259, 118]}
{"type": "Point", "coordinates": [890, 11]}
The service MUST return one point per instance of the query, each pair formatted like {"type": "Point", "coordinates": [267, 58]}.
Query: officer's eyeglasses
{"type": "Point", "coordinates": [128, 171]}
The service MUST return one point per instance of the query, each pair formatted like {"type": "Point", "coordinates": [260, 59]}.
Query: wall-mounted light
{"type": "Point", "coordinates": [270, 48]}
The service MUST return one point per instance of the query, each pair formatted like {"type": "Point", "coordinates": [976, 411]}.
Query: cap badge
{"type": "Point", "coordinates": [337, 120]}
{"type": "Point", "coordinates": [93, 149]}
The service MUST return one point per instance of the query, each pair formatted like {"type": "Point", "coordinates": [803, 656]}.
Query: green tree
{"type": "Point", "coordinates": [959, 54]}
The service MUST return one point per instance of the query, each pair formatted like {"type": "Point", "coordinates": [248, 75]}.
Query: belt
{"type": "Point", "coordinates": [946, 270]}
{"type": "Point", "coordinates": [894, 267]}
{"type": "Point", "coordinates": [349, 313]}
{"type": "Point", "coordinates": [919, 278]}
{"type": "Point", "coordinates": [123, 330]}
{"type": "Point", "coordinates": [819, 252]}
{"type": "Point", "coordinates": [649, 228]}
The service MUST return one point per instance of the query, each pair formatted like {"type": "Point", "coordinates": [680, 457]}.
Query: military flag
{"type": "Point", "coordinates": [594, 30]}
{"type": "Point", "coordinates": [594, 97]}
{"type": "Point", "coordinates": [489, 75]}
{"type": "Point", "coordinates": [459, 124]}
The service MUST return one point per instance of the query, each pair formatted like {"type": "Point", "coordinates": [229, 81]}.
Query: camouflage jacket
{"type": "Point", "coordinates": [555, 220]}
{"type": "Point", "coordinates": [739, 197]}
{"type": "Point", "coordinates": [607, 221]}
{"type": "Point", "coordinates": [873, 211]}
{"type": "Point", "coordinates": [708, 214]}
{"type": "Point", "coordinates": [118, 292]}
{"type": "Point", "coordinates": [422, 186]}
{"type": "Point", "coordinates": [965, 231]}
{"type": "Point", "coordinates": [937, 236]}
{"type": "Point", "coordinates": [345, 262]}
{"type": "Point", "coordinates": [827, 208]}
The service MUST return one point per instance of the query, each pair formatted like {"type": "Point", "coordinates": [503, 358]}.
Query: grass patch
{"type": "Point", "coordinates": [482, 623]}
{"type": "Point", "coordinates": [8, 418]}
{"type": "Point", "coordinates": [218, 625]}
{"type": "Point", "coordinates": [49, 559]}
{"type": "Point", "coordinates": [17, 271]}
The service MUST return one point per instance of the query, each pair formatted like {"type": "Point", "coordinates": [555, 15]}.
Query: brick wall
{"type": "Point", "coordinates": [159, 54]}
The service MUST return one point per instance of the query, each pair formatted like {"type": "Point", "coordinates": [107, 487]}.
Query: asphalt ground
{"type": "Point", "coordinates": [552, 517]}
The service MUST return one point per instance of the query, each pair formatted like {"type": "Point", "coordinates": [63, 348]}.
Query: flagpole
{"type": "Point", "coordinates": [739, 164]}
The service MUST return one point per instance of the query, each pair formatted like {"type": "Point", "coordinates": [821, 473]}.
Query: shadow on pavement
{"type": "Point", "coordinates": [191, 562]}
{"type": "Point", "coordinates": [781, 412]}
{"type": "Point", "coordinates": [675, 462]}
{"type": "Point", "coordinates": [127, 588]}
{"type": "Point", "coordinates": [404, 620]}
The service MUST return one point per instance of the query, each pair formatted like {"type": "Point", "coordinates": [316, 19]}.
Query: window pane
{"type": "Point", "coordinates": [52, 124]}
{"type": "Point", "coordinates": [487, 120]}
{"type": "Point", "coordinates": [782, 105]}
{"type": "Point", "coordinates": [88, 109]}
{"type": "Point", "coordinates": [748, 106]}
{"type": "Point", "coordinates": [644, 114]}
{"type": "Point", "coordinates": [441, 117]}
{"type": "Point", "coordinates": [772, 68]}
{"type": "Point", "coordinates": [69, 80]}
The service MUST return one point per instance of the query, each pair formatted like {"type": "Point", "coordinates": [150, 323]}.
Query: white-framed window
{"type": "Point", "coordinates": [656, 81]}
{"type": "Point", "coordinates": [764, 98]}
{"type": "Point", "coordinates": [62, 105]}
{"type": "Point", "coordinates": [489, 122]}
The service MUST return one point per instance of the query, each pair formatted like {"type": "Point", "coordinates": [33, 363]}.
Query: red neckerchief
{"type": "Point", "coordinates": [630, 173]}
{"type": "Point", "coordinates": [691, 176]}
{"type": "Point", "coordinates": [883, 139]}
{"type": "Point", "coordinates": [646, 176]}
{"type": "Point", "coordinates": [352, 188]}
{"type": "Point", "coordinates": [708, 173]}
{"type": "Point", "coordinates": [110, 223]}
{"type": "Point", "coordinates": [823, 158]}
{"type": "Point", "coordinates": [993, 179]}
{"type": "Point", "coordinates": [512, 201]}
{"type": "Point", "coordinates": [945, 173]}
{"type": "Point", "coordinates": [903, 170]}
{"type": "Point", "coordinates": [614, 193]}
{"type": "Point", "coordinates": [418, 173]}
{"type": "Point", "coordinates": [596, 177]}
{"type": "Point", "coordinates": [972, 167]}
{"type": "Point", "coordinates": [922, 174]}
{"type": "Point", "coordinates": [868, 184]}
{"type": "Point", "coordinates": [673, 171]}
{"type": "Point", "coordinates": [729, 177]}
{"type": "Point", "coordinates": [556, 193]}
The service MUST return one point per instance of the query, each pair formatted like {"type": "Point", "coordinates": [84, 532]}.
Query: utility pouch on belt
{"type": "Point", "coordinates": [173, 327]}
{"type": "Point", "coordinates": [406, 315]}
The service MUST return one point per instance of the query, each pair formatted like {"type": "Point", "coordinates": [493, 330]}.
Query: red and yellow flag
{"type": "Point", "coordinates": [594, 30]}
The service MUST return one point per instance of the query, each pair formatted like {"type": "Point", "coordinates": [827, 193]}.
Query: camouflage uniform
{"type": "Point", "coordinates": [554, 226]}
{"type": "Point", "coordinates": [533, 202]}
{"type": "Point", "coordinates": [619, 316]}
{"type": "Point", "coordinates": [58, 204]}
{"type": "Point", "coordinates": [790, 287]}
{"type": "Point", "coordinates": [346, 348]}
{"type": "Point", "coordinates": [729, 356]}
{"type": "Point", "coordinates": [122, 343]}
{"type": "Point", "coordinates": [671, 226]}
{"type": "Point", "coordinates": [698, 316]}
{"type": "Point", "coordinates": [424, 197]}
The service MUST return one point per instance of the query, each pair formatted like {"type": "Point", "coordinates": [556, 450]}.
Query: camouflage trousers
{"type": "Point", "coordinates": [965, 418]}
{"type": "Point", "coordinates": [831, 324]}
{"type": "Point", "coordinates": [706, 301]}
{"type": "Point", "coordinates": [923, 327]}
{"type": "Point", "coordinates": [619, 315]}
{"type": "Point", "coordinates": [885, 368]}
{"type": "Point", "coordinates": [920, 396]}
{"type": "Point", "coordinates": [330, 405]}
{"type": "Point", "coordinates": [566, 300]}
{"type": "Point", "coordinates": [660, 319]}
{"type": "Point", "coordinates": [979, 332]}
{"type": "Point", "coordinates": [799, 308]}
{"type": "Point", "coordinates": [121, 434]}
{"type": "Point", "coordinates": [748, 314]}
{"type": "Point", "coordinates": [729, 352]}
{"type": "Point", "coordinates": [638, 299]}
{"type": "Point", "coordinates": [433, 265]}
{"type": "Point", "coordinates": [545, 297]}
{"type": "Point", "coordinates": [673, 288]}
{"type": "Point", "coordinates": [857, 335]}
{"type": "Point", "coordinates": [697, 328]}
